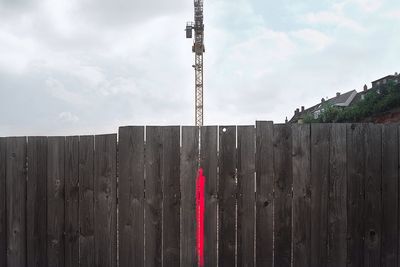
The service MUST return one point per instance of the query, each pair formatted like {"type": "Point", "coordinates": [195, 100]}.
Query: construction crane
{"type": "Point", "coordinates": [198, 49]}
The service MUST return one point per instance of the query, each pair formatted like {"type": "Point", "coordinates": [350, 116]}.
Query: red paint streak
{"type": "Point", "coordinates": [200, 208]}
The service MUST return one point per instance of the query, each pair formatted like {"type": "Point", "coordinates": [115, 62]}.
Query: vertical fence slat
{"type": "Point", "coordinates": [246, 196]}
{"type": "Point", "coordinates": [72, 201]}
{"type": "Point", "coordinates": [390, 195]}
{"type": "Point", "coordinates": [131, 196]}
{"type": "Point", "coordinates": [301, 195]}
{"type": "Point", "coordinates": [264, 193]}
{"type": "Point", "coordinates": [153, 204]}
{"type": "Point", "coordinates": [227, 195]}
{"type": "Point", "coordinates": [86, 201]}
{"type": "Point", "coordinates": [209, 163]}
{"type": "Point", "coordinates": [283, 180]}
{"type": "Point", "coordinates": [373, 195]}
{"type": "Point", "coordinates": [320, 135]}
{"type": "Point", "coordinates": [355, 194]}
{"type": "Point", "coordinates": [36, 211]}
{"type": "Point", "coordinates": [171, 193]}
{"type": "Point", "coordinates": [3, 208]}
{"type": "Point", "coordinates": [188, 172]}
{"type": "Point", "coordinates": [337, 207]}
{"type": "Point", "coordinates": [105, 212]}
{"type": "Point", "coordinates": [55, 201]}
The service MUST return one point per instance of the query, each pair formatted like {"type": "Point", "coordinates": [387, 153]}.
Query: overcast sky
{"type": "Point", "coordinates": [89, 66]}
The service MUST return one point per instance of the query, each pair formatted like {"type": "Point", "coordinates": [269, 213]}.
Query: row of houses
{"type": "Point", "coordinates": [342, 100]}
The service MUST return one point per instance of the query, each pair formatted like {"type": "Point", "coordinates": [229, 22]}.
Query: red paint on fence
{"type": "Point", "coordinates": [200, 208]}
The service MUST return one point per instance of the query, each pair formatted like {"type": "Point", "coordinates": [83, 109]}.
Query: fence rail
{"type": "Point", "coordinates": [275, 195]}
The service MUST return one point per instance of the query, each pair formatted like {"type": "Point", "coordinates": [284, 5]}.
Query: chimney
{"type": "Point", "coordinates": [337, 94]}
{"type": "Point", "coordinates": [322, 100]}
{"type": "Point", "coordinates": [286, 120]}
{"type": "Point", "coordinates": [302, 108]}
{"type": "Point", "coordinates": [396, 74]}
{"type": "Point", "coordinates": [365, 88]}
{"type": "Point", "coordinates": [296, 111]}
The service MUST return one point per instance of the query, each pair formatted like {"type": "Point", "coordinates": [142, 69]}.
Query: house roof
{"type": "Point", "coordinates": [386, 77]}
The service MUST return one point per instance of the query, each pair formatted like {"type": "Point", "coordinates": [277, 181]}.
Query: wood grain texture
{"type": "Point", "coordinates": [3, 206]}
{"type": "Point", "coordinates": [209, 163]}
{"type": "Point", "coordinates": [36, 212]}
{"type": "Point", "coordinates": [246, 196]}
{"type": "Point", "coordinates": [131, 196]}
{"type": "Point", "coordinates": [390, 195]}
{"type": "Point", "coordinates": [72, 201]}
{"type": "Point", "coordinates": [86, 201]}
{"type": "Point", "coordinates": [16, 201]}
{"type": "Point", "coordinates": [283, 181]}
{"type": "Point", "coordinates": [171, 195]}
{"type": "Point", "coordinates": [355, 194]}
{"type": "Point", "coordinates": [55, 201]}
{"type": "Point", "coordinates": [153, 198]}
{"type": "Point", "coordinates": [105, 208]}
{"type": "Point", "coordinates": [301, 195]}
{"type": "Point", "coordinates": [227, 190]}
{"type": "Point", "coordinates": [373, 195]}
{"type": "Point", "coordinates": [188, 173]}
{"type": "Point", "coordinates": [320, 144]}
{"type": "Point", "coordinates": [337, 206]}
{"type": "Point", "coordinates": [264, 193]}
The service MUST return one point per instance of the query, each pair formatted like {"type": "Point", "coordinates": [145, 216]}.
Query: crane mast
{"type": "Point", "coordinates": [198, 49]}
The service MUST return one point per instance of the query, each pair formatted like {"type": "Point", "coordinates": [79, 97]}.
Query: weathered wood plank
{"type": "Point", "coordinates": [283, 181]}
{"type": "Point", "coordinates": [227, 194]}
{"type": "Point", "coordinates": [3, 207]}
{"type": "Point", "coordinates": [390, 195]}
{"type": "Point", "coordinates": [355, 194]}
{"type": "Point", "coordinates": [373, 195]}
{"type": "Point", "coordinates": [264, 193]}
{"type": "Point", "coordinates": [188, 172]}
{"type": "Point", "coordinates": [153, 203]}
{"type": "Point", "coordinates": [86, 200]}
{"type": "Point", "coordinates": [16, 197]}
{"type": "Point", "coordinates": [55, 201]}
{"type": "Point", "coordinates": [301, 195]}
{"type": "Point", "coordinates": [209, 163]}
{"type": "Point", "coordinates": [105, 210]}
{"type": "Point", "coordinates": [171, 195]}
{"type": "Point", "coordinates": [72, 201]}
{"type": "Point", "coordinates": [36, 212]}
{"type": "Point", "coordinates": [337, 207]}
{"type": "Point", "coordinates": [246, 197]}
{"type": "Point", "coordinates": [320, 143]}
{"type": "Point", "coordinates": [131, 196]}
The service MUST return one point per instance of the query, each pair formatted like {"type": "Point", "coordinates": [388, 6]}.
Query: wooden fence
{"type": "Point", "coordinates": [276, 195]}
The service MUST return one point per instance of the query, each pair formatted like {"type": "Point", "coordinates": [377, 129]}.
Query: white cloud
{"type": "Point", "coordinates": [318, 40]}
{"type": "Point", "coordinates": [394, 14]}
{"type": "Point", "coordinates": [68, 117]}
{"type": "Point", "coordinates": [369, 5]}
{"type": "Point", "coordinates": [333, 18]}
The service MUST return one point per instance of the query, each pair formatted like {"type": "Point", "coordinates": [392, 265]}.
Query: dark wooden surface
{"type": "Point", "coordinates": [355, 194]}
{"type": "Point", "coordinates": [171, 195]}
{"type": "Point", "coordinates": [153, 198]}
{"type": "Point", "coordinates": [105, 208]}
{"type": "Point", "coordinates": [227, 193]}
{"type": "Point", "coordinates": [36, 209]}
{"type": "Point", "coordinates": [209, 163]}
{"type": "Point", "coordinates": [301, 195]}
{"type": "Point", "coordinates": [246, 195]}
{"type": "Point", "coordinates": [3, 207]}
{"type": "Point", "coordinates": [390, 195]}
{"type": "Point", "coordinates": [131, 196]}
{"type": "Point", "coordinates": [188, 173]}
{"type": "Point", "coordinates": [283, 181]}
{"type": "Point", "coordinates": [320, 143]}
{"type": "Point", "coordinates": [72, 201]}
{"type": "Point", "coordinates": [264, 193]}
{"type": "Point", "coordinates": [86, 200]}
{"type": "Point", "coordinates": [55, 201]}
{"type": "Point", "coordinates": [373, 195]}
{"type": "Point", "coordinates": [337, 206]}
